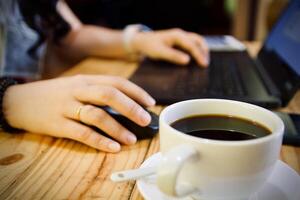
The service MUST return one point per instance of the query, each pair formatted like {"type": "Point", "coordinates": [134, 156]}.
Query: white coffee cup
{"type": "Point", "coordinates": [216, 169]}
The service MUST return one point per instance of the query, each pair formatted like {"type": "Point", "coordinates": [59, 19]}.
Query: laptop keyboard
{"type": "Point", "coordinates": [170, 83]}
{"type": "Point", "coordinates": [220, 79]}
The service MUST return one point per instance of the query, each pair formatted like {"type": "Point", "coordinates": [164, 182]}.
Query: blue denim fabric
{"type": "Point", "coordinates": [16, 39]}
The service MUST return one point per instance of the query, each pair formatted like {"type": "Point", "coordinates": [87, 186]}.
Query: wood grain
{"type": "Point", "coordinates": [31, 147]}
{"type": "Point", "coordinates": [40, 167]}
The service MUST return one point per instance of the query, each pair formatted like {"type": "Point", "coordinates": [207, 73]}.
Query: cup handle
{"type": "Point", "coordinates": [170, 167]}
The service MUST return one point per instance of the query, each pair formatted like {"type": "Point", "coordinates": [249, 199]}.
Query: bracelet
{"type": "Point", "coordinates": [128, 35]}
{"type": "Point", "coordinates": [5, 83]}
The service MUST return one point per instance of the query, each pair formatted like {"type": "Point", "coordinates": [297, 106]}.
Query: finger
{"type": "Point", "coordinates": [172, 55]}
{"type": "Point", "coordinates": [97, 117]}
{"type": "Point", "coordinates": [202, 44]}
{"type": "Point", "coordinates": [107, 95]}
{"type": "Point", "coordinates": [81, 133]}
{"type": "Point", "coordinates": [200, 41]}
{"type": "Point", "coordinates": [127, 87]}
{"type": "Point", "coordinates": [182, 40]}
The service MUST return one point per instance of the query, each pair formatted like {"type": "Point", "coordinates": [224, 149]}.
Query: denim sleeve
{"type": "Point", "coordinates": [2, 34]}
{"type": "Point", "coordinates": [2, 45]}
{"type": "Point", "coordinates": [16, 39]}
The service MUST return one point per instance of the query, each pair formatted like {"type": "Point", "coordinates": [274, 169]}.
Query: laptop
{"type": "Point", "coordinates": [271, 80]}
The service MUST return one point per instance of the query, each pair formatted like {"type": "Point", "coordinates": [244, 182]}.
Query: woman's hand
{"type": "Point", "coordinates": [160, 45]}
{"type": "Point", "coordinates": [64, 107]}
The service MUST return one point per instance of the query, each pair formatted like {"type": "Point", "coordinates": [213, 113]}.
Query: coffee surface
{"type": "Point", "coordinates": [221, 127]}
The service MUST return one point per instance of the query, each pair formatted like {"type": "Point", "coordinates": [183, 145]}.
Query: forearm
{"type": "Point", "coordinates": [94, 41]}
{"type": "Point", "coordinates": [88, 40]}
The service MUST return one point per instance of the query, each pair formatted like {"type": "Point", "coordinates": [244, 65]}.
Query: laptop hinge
{"type": "Point", "coordinates": [267, 81]}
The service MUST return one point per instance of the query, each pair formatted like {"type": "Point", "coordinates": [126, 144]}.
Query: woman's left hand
{"type": "Point", "coordinates": [160, 45]}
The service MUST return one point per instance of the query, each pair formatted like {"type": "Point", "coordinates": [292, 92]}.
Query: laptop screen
{"type": "Point", "coordinates": [280, 53]}
{"type": "Point", "coordinates": [284, 39]}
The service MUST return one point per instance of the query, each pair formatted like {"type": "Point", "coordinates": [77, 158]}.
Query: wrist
{"type": "Point", "coordinates": [132, 38]}
{"type": "Point", "coordinates": [8, 106]}
{"type": "Point", "coordinates": [137, 42]}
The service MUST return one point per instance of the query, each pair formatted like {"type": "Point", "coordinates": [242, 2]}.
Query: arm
{"type": "Point", "coordinates": [94, 41]}
{"type": "Point", "coordinates": [86, 40]}
{"type": "Point", "coordinates": [69, 108]}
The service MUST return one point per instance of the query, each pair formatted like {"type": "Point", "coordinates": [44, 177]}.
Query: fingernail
{"type": "Point", "coordinates": [145, 118]}
{"type": "Point", "coordinates": [151, 101]}
{"type": "Point", "coordinates": [114, 146]}
{"type": "Point", "coordinates": [185, 58]}
{"type": "Point", "coordinates": [131, 139]}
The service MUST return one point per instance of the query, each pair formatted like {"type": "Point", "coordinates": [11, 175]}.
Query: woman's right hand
{"type": "Point", "coordinates": [67, 107]}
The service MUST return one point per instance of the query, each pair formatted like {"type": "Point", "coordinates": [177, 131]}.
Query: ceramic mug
{"type": "Point", "coordinates": [216, 169]}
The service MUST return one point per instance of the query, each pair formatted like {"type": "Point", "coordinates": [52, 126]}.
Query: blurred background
{"type": "Point", "coordinates": [245, 19]}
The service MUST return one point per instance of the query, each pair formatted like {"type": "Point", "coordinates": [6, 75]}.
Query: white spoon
{"type": "Point", "coordinates": [133, 174]}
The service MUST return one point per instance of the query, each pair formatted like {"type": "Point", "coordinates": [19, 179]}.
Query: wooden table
{"type": "Point", "coordinates": [40, 167]}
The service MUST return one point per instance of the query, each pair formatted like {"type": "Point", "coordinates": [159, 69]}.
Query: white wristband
{"type": "Point", "coordinates": [129, 33]}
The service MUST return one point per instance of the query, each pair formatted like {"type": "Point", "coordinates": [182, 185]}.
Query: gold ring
{"type": "Point", "coordinates": [78, 112]}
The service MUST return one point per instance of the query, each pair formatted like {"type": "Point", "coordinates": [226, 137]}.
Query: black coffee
{"type": "Point", "coordinates": [220, 127]}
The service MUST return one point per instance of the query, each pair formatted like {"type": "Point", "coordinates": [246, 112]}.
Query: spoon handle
{"type": "Point", "coordinates": [132, 174]}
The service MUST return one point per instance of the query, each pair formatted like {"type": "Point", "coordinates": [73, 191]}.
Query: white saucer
{"type": "Point", "coordinates": [284, 184]}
